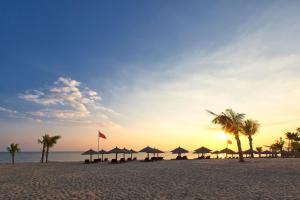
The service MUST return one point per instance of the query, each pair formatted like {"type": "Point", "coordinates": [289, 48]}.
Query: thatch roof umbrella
{"type": "Point", "coordinates": [102, 152]}
{"type": "Point", "coordinates": [249, 152]}
{"type": "Point", "coordinates": [267, 152]}
{"type": "Point", "coordinates": [202, 150]}
{"type": "Point", "coordinates": [216, 152]}
{"type": "Point", "coordinates": [147, 150]}
{"type": "Point", "coordinates": [125, 151]}
{"type": "Point", "coordinates": [90, 152]}
{"type": "Point", "coordinates": [227, 151]}
{"type": "Point", "coordinates": [179, 151]}
{"type": "Point", "coordinates": [131, 151]}
{"type": "Point", "coordinates": [157, 151]}
{"type": "Point", "coordinates": [116, 151]}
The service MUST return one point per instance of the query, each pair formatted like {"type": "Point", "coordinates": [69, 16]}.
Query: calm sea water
{"type": "Point", "coordinates": [73, 156]}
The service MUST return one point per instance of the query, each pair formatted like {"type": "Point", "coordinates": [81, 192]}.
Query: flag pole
{"type": "Point", "coordinates": [98, 144]}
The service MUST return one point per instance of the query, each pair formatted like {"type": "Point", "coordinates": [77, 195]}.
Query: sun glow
{"type": "Point", "coordinates": [222, 136]}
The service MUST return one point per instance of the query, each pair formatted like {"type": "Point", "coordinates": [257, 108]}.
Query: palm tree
{"type": "Point", "coordinates": [51, 141]}
{"type": "Point", "coordinates": [290, 137]}
{"type": "Point", "coordinates": [231, 122]}
{"type": "Point", "coordinates": [13, 149]}
{"type": "Point", "coordinates": [43, 141]}
{"type": "Point", "coordinates": [250, 128]}
{"type": "Point", "coordinates": [259, 150]}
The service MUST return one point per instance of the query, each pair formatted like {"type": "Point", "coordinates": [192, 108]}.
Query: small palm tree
{"type": "Point", "coordinates": [289, 136]}
{"type": "Point", "coordinates": [250, 128]}
{"type": "Point", "coordinates": [259, 150]}
{"type": "Point", "coordinates": [231, 122]}
{"type": "Point", "coordinates": [278, 146]}
{"type": "Point", "coordinates": [43, 141]}
{"type": "Point", "coordinates": [50, 142]}
{"type": "Point", "coordinates": [13, 149]}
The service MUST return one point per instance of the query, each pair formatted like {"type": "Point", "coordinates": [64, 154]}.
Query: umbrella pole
{"type": "Point", "coordinates": [102, 157]}
{"type": "Point", "coordinates": [131, 155]}
{"type": "Point", "coordinates": [91, 157]}
{"type": "Point", "coordinates": [98, 145]}
{"type": "Point", "coordinates": [116, 156]}
{"type": "Point", "coordinates": [148, 155]}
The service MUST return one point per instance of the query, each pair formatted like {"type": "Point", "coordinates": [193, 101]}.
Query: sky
{"type": "Point", "coordinates": [145, 72]}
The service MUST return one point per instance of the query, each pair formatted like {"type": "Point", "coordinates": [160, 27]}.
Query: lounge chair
{"type": "Point", "coordinates": [146, 159]}
{"type": "Point", "coordinates": [86, 161]}
{"type": "Point", "coordinates": [105, 159]}
{"type": "Point", "coordinates": [184, 158]}
{"type": "Point", "coordinates": [178, 158]}
{"type": "Point", "coordinates": [114, 161]}
{"type": "Point", "coordinates": [207, 157]}
{"type": "Point", "coordinates": [129, 159]}
{"type": "Point", "coordinates": [122, 160]}
{"type": "Point", "coordinates": [134, 158]}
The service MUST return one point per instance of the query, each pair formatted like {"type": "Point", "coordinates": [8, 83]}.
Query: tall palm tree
{"type": "Point", "coordinates": [43, 141]}
{"type": "Point", "coordinates": [250, 128]}
{"type": "Point", "coordinates": [289, 136]}
{"type": "Point", "coordinates": [259, 150]}
{"type": "Point", "coordinates": [231, 122]}
{"type": "Point", "coordinates": [51, 141]}
{"type": "Point", "coordinates": [13, 149]}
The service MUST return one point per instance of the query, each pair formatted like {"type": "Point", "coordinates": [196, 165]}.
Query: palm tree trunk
{"type": "Point", "coordinates": [13, 159]}
{"type": "Point", "coordinates": [251, 147]}
{"type": "Point", "coordinates": [238, 142]}
{"type": "Point", "coordinates": [47, 152]}
{"type": "Point", "coordinates": [43, 154]}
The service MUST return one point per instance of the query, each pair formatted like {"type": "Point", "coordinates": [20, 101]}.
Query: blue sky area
{"type": "Point", "coordinates": [127, 66]}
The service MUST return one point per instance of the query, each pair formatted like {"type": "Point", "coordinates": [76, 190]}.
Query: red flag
{"type": "Point", "coordinates": [101, 135]}
{"type": "Point", "coordinates": [229, 141]}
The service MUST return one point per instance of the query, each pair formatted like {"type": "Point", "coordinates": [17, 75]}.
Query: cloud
{"type": "Point", "coordinates": [68, 100]}
{"type": "Point", "coordinates": [6, 110]}
{"type": "Point", "coordinates": [67, 93]}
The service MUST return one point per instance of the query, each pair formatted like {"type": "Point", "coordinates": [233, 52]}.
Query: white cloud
{"type": "Point", "coordinates": [6, 110]}
{"type": "Point", "coordinates": [68, 100]}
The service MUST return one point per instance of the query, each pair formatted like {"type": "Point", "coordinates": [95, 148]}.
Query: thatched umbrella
{"type": "Point", "coordinates": [227, 151]}
{"type": "Point", "coordinates": [249, 152]}
{"type": "Point", "coordinates": [90, 152]}
{"type": "Point", "coordinates": [102, 152]}
{"type": "Point", "coordinates": [179, 151]}
{"type": "Point", "coordinates": [216, 152]}
{"type": "Point", "coordinates": [125, 151]}
{"type": "Point", "coordinates": [267, 152]}
{"type": "Point", "coordinates": [147, 150]}
{"type": "Point", "coordinates": [202, 150]}
{"type": "Point", "coordinates": [157, 151]}
{"type": "Point", "coordinates": [116, 151]}
{"type": "Point", "coordinates": [131, 151]}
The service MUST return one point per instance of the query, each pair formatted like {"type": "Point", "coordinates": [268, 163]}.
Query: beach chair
{"type": "Point", "coordinates": [114, 161]}
{"type": "Point", "coordinates": [184, 158]}
{"type": "Point", "coordinates": [129, 159]}
{"type": "Point", "coordinates": [86, 161]}
{"type": "Point", "coordinates": [153, 159]}
{"type": "Point", "coordinates": [134, 158]}
{"type": "Point", "coordinates": [122, 160]}
{"type": "Point", "coordinates": [178, 158]}
{"type": "Point", "coordinates": [146, 159]}
{"type": "Point", "coordinates": [207, 157]}
{"type": "Point", "coordinates": [105, 159]}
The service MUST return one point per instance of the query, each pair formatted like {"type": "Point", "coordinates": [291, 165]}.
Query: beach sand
{"type": "Point", "coordinates": [191, 179]}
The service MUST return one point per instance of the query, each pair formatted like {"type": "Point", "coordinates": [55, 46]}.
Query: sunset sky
{"type": "Point", "coordinates": [145, 72]}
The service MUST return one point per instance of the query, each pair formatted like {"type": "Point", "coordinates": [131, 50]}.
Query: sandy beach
{"type": "Point", "coordinates": [192, 179]}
